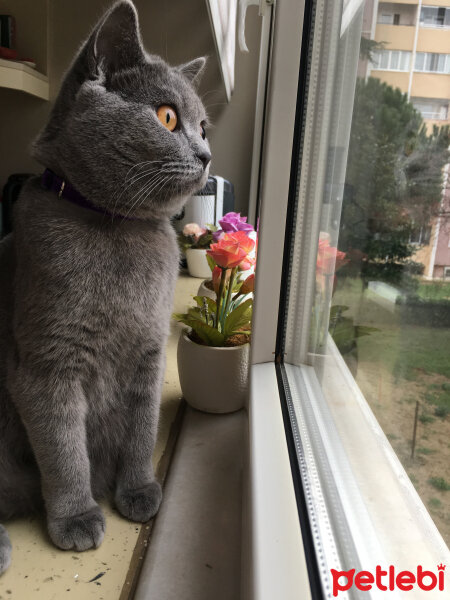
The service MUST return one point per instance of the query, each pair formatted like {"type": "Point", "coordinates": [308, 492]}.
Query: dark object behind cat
{"type": "Point", "coordinates": [86, 297]}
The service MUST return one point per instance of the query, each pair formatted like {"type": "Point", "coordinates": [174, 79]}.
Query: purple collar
{"type": "Point", "coordinates": [62, 187]}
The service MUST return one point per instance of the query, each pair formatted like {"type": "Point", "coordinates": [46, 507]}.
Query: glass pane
{"type": "Point", "coordinates": [404, 61]}
{"type": "Point", "coordinates": [395, 59]}
{"type": "Point", "coordinates": [386, 19]}
{"type": "Point", "coordinates": [420, 61]}
{"type": "Point", "coordinates": [376, 174]}
{"type": "Point", "coordinates": [384, 62]}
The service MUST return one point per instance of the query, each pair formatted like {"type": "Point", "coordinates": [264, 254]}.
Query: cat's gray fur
{"type": "Point", "coordinates": [86, 298]}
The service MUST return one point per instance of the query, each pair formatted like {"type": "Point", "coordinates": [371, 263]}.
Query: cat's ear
{"type": "Point", "coordinates": [116, 40]}
{"type": "Point", "coordinates": [193, 70]}
{"type": "Point", "coordinates": [114, 43]}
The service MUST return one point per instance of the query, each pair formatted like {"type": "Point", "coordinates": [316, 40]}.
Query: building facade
{"type": "Point", "coordinates": [415, 56]}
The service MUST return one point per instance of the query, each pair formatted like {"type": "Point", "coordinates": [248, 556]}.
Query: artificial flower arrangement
{"type": "Point", "coordinates": [226, 321]}
{"type": "Point", "coordinates": [196, 237]}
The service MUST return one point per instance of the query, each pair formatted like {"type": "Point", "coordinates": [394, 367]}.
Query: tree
{"type": "Point", "coordinates": [393, 180]}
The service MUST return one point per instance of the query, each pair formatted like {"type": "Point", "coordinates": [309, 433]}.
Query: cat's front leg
{"type": "Point", "coordinates": [53, 410]}
{"type": "Point", "coordinates": [138, 494]}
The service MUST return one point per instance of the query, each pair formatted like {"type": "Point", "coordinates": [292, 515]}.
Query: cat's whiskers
{"type": "Point", "coordinates": [162, 182]}
{"type": "Point", "coordinates": [124, 188]}
{"type": "Point", "coordinates": [158, 179]}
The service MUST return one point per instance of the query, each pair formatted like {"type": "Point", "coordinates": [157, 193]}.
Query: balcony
{"type": "Point", "coordinates": [398, 37]}
{"type": "Point", "coordinates": [434, 39]}
{"type": "Point", "coordinates": [430, 85]}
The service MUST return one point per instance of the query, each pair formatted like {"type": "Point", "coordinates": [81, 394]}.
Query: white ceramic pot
{"type": "Point", "coordinates": [204, 291]}
{"type": "Point", "coordinates": [197, 263]}
{"type": "Point", "coordinates": [213, 380]}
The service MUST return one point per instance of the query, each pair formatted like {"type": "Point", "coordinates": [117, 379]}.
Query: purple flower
{"type": "Point", "coordinates": [232, 222]}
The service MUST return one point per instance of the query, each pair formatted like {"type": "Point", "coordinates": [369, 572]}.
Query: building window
{"type": "Point", "coordinates": [389, 19]}
{"type": "Point", "coordinates": [432, 62]}
{"type": "Point", "coordinates": [420, 236]}
{"type": "Point", "coordinates": [435, 16]}
{"type": "Point", "coordinates": [447, 273]}
{"type": "Point", "coordinates": [431, 108]}
{"type": "Point", "coordinates": [391, 60]}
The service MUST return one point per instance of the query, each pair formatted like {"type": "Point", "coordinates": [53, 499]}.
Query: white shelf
{"type": "Point", "coordinates": [18, 76]}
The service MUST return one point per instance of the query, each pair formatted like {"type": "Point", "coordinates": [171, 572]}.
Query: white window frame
{"type": "Point", "coordinates": [278, 565]}
{"type": "Point", "coordinates": [436, 115]}
{"type": "Point", "coordinates": [445, 71]}
{"type": "Point", "coordinates": [433, 25]}
{"type": "Point", "coordinates": [390, 52]}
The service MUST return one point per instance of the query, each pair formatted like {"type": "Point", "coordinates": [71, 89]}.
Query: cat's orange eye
{"type": "Point", "coordinates": [167, 116]}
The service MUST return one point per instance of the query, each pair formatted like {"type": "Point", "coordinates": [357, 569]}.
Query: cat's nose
{"type": "Point", "coordinates": [205, 157]}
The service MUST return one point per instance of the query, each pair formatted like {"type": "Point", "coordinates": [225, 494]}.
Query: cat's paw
{"type": "Point", "coordinates": [140, 505]}
{"type": "Point", "coordinates": [79, 532]}
{"type": "Point", "coordinates": [5, 550]}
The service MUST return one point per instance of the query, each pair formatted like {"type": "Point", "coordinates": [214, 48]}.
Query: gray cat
{"type": "Point", "coordinates": [87, 286]}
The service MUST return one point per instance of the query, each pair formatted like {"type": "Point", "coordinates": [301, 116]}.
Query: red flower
{"type": "Point", "coordinates": [231, 249]}
{"type": "Point", "coordinates": [248, 285]}
{"type": "Point", "coordinates": [247, 263]}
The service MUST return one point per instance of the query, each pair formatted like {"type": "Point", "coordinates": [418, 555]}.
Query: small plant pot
{"type": "Point", "coordinates": [205, 291]}
{"type": "Point", "coordinates": [214, 380]}
{"type": "Point", "coordinates": [197, 263]}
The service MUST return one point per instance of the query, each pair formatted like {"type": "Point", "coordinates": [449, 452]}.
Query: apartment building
{"type": "Point", "coordinates": [416, 53]}
{"type": "Point", "coordinates": [415, 57]}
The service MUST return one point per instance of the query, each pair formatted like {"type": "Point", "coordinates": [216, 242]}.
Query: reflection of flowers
{"type": "Point", "coordinates": [329, 260]}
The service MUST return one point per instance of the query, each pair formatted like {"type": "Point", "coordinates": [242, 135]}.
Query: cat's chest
{"type": "Point", "coordinates": [120, 280]}
{"type": "Point", "coordinates": [131, 275]}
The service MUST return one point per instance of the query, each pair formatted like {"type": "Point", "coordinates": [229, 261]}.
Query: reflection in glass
{"type": "Point", "coordinates": [381, 291]}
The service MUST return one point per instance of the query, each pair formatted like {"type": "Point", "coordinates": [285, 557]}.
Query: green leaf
{"type": "Point", "coordinates": [180, 317]}
{"type": "Point", "coordinates": [196, 313]}
{"type": "Point", "coordinates": [238, 318]}
{"type": "Point", "coordinates": [211, 262]}
{"type": "Point", "coordinates": [209, 335]}
{"type": "Point", "coordinates": [209, 301]}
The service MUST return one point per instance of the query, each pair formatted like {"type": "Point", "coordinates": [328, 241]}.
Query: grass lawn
{"type": "Point", "coordinates": [399, 365]}
{"type": "Point", "coordinates": [434, 290]}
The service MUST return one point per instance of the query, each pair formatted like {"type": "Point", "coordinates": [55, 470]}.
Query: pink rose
{"type": "Point", "coordinates": [194, 230]}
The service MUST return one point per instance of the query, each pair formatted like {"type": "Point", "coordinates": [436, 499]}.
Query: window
{"type": "Point", "coordinates": [391, 60]}
{"type": "Point", "coordinates": [446, 273]}
{"type": "Point", "coordinates": [432, 62]}
{"type": "Point", "coordinates": [431, 108]}
{"type": "Point", "coordinates": [420, 236]}
{"type": "Point", "coordinates": [362, 356]}
{"type": "Point", "coordinates": [360, 336]}
{"type": "Point", "coordinates": [386, 19]}
{"type": "Point", "coordinates": [433, 16]}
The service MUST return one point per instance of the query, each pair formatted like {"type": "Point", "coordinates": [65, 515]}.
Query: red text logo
{"type": "Point", "coordinates": [388, 579]}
